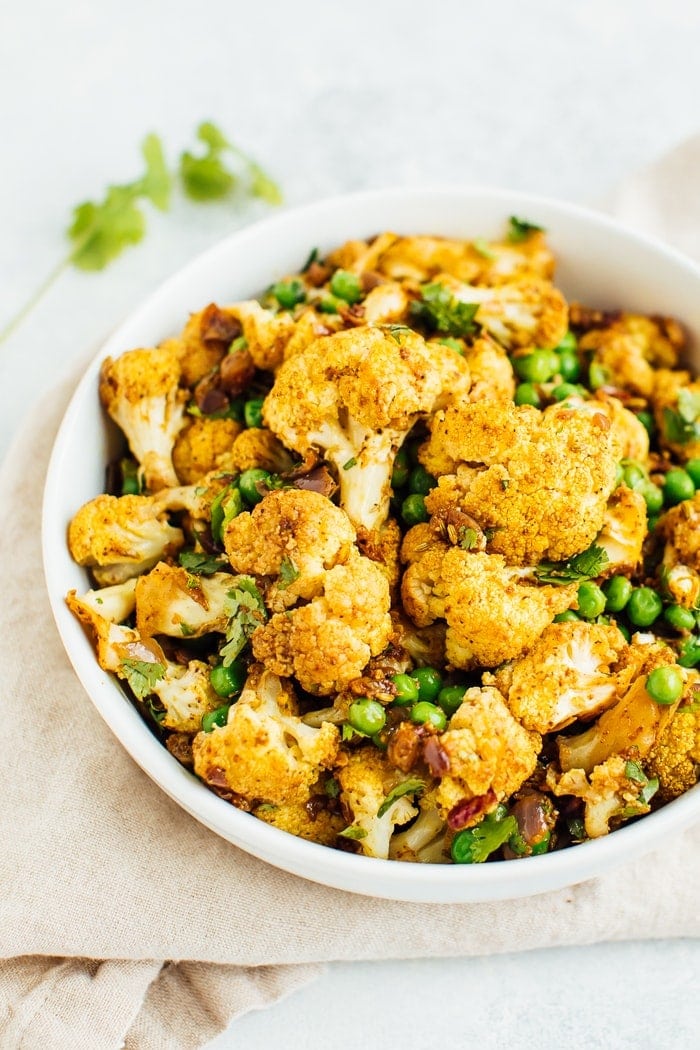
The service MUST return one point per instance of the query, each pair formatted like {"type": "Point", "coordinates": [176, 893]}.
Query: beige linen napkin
{"type": "Point", "coordinates": [106, 886]}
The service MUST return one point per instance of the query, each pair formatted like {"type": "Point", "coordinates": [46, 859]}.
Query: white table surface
{"type": "Point", "coordinates": [559, 98]}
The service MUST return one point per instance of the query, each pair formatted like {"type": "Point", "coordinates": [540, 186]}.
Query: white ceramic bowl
{"type": "Point", "coordinates": [599, 263]}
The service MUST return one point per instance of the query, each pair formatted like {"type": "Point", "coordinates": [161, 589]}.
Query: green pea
{"type": "Point", "coordinates": [693, 468]}
{"type": "Point", "coordinates": [537, 367]}
{"type": "Point", "coordinates": [653, 496]}
{"type": "Point", "coordinates": [591, 600]}
{"type": "Point", "coordinates": [664, 685]}
{"type": "Point", "coordinates": [450, 698]}
{"type": "Point", "coordinates": [569, 367]}
{"type": "Point", "coordinates": [429, 682]}
{"type": "Point", "coordinates": [568, 343]}
{"type": "Point", "coordinates": [647, 421]}
{"type": "Point", "coordinates": [678, 486]}
{"type": "Point", "coordinates": [624, 631]}
{"type": "Point", "coordinates": [597, 375]}
{"type": "Point", "coordinates": [634, 473]}
{"type": "Point", "coordinates": [617, 593]}
{"type": "Point", "coordinates": [289, 293]}
{"type": "Point", "coordinates": [413, 510]}
{"type": "Point", "coordinates": [249, 483]}
{"type": "Point", "coordinates": [564, 390]}
{"type": "Point", "coordinates": [679, 618]}
{"type": "Point", "coordinates": [346, 285]}
{"type": "Point", "coordinates": [229, 679]}
{"type": "Point", "coordinates": [367, 716]}
{"type": "Point", "coordinates": [568, 616]}
{"type": "Point", "coordinates": [252, 412]}
{"type": "Point", "coordinates": [329, 305]}
{"type": "Point", "coordinates": [424, 712]}
{"type": "Point", "coordinates": [420, 481]}
{"type": "Point", "coordinates": [526, 394]}
{"type": "Point", "coordinates": [690, 652]}
{"type": "Point", "coordinates": [400, 473]}
{"type": "Point", "coordinates": [219, 717]}
{"type": "Point", "coordinates": [407, 691]}
{"type": "Point", "coordinates": [643, 607]}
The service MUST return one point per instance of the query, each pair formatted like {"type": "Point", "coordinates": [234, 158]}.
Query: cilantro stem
{"type": "Point", "coordinates": [35, 298]}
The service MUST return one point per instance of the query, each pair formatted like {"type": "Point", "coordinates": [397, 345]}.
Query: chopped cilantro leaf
{"type": "Point", "coordinates": [350, 464]}
{"type": "Point", "coordinates": [481, 247]}
{"type": "Point", "coordinates": [201, 564]}
{"type": "Point", "coordinates": [682, 424]}
{"type": "Point", "coordinates": [142, 676]}
{"type": "Point", "coordinates": [439, 309]}
{"type": "Point", "coordinates": [585, 566]}
{"type": "Point", "coordinates": [407, 787]}
{"type": "Point", "coordinates": [312, 258]}
{"type": "Point", "coordinates": [288, 573]}
{"type": "Point", "coordinates": [246, 610]}
{"type": "Point", "coordinates": [520, 229]}
{"type": "Point", "coordinates": [475, 845]}
{"type": "Point", "coordinates": [353, 832]}
{"type": "Point", "coordinates": [633, 771]}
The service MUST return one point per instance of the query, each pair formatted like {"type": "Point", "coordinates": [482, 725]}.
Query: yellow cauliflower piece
{"type": "Point", "coordinates": [675, 757]}
{"type": "Point", "coordinates": [609, 792]}
{"type": "Point", "coordinates": [258, 447]}
{"type": "Point", "coordinates": [204, 446]}
{"type": "Point", "coordinates": [140, 391]}
{"type": "Point", "coordinates": [119, 537]}
{"type": "Point", "coordinates": [328, 642]}
{"type": "Point", "coordinates": [385, 304]}
{"type": "Point", "coordinates": [621, 359]}
{"type": "Point", "coordinates": [567, 674]}
{"type": "Point", "coordinates": [170, 601]}
{"type": "Point", "coordinates": [311, 325]}
{"type": "Point", "coordinates": [676, 401]}
{"type": "Point", "coordinates": [365, 781]}
{"type": "Point", "coordinates": [204, 341]}
{"type": "Point", "coordinates": [680, 566]}
{"type": "Point", "coordinates": [355, 395]}
{"type": "Point", "coordinates": [491, 372]}
{"type": "Point", "coordinates": [526, 313]}
{"type": "Point", "coordinates": [265, 753]}
{"type": "Point", "coordinates": [267, 334]}
{"type": "Point", "coordinates": [294, 530]}
{"type": "Point", "coordinates": [539, 480]}
{"type": "Point", "coordinates": [100, 616]}
{"type": "Point", "coordinates": [187, 695]}
{"type": "Point", "coordinates": [297, 818]}
{"type": "Point", "coordinates": [624, 531]}
{"type": "Point", "coordinates": [490, 755]}
{"type": "Point", "coordinates": [492, 613]}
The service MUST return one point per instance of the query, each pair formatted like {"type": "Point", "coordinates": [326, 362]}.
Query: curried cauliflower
{"type": "Point", "coordinates": [302, 819]}
{"type": "Point", "coordinates": [491, 371]}
{"type": "Point", "coordinates": [568, 673]}
{"type": "Point", "coordinates": [203, 342]}
{"type": "Point", "coordinates": [423, 842]}
{"type": "Point", "coordinates": [204, 446]}
{"type": "Point", "coordinates": [624, 531]}
{"type": "Point", "coordinates": [257, 447]}
{"type": "Point", "coordinates": [265, 753]}
{"type": "Point", "coordinates": [119, 537]}
{"type": "Point", "coordinates": [676, 402]}
{"type": "Point", "coordinates": [365, 782]}
{"type": "Point", "coordinates": [140, 390]}
{"type": "Point", "coordinates": [492, 613]}
{"type": "Point", "coordinates": [675, 757]}
{"type": "Point", "coordinates": [518, 472]}
{"type": "Point", "coordinates": [680, 567]}
{"type": "Point", "coordinates": [266, 333]}
{"type": "Point", "coordinates": [355, 395]}
{"type": "Point", "coordinates": [525, 313]}
{"type": "Point", "coordinates": [489, 754]}
{"type": "Point", "coordinates": [170, 601]}
{"type": "Point", "coordinates": [187, 695]}
{"type": "Point", "coordinates": [294, 536]}
{"type": "Point", "coordinates": [328, 642]}
{"type": "Point", "coordinates": [614, 790]}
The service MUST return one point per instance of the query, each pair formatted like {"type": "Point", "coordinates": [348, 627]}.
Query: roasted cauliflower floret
{"type": "Point", "coordinates": [266, 333]}
{"type": "Point", "coordinates": [204, 341]}
{"type": "Point", "coordinates": [303, 820]}
{"type": "Point", "coordinates": [355, 395]}
{"type": "Point", "coordinates": [635, 721]}
{"type": "Point", "coordinates": [538, 482]}
{"type": "Point", "coordinates": [328, 642]}
{"type": "Point", "coordinates": [675, 757]}
{"type": "Point", "coordinates": [265, 753]}
{"type": "Point", "coordinates": [620, 359]}
{"type": "Point", "coordinates": [424, 841]}
{"type": "Point", "coordinates": [186, 695]}
{"type": "Point", "coordinates": [568, 673]}
{"type": "Point", "coordinates": [680, 567]}
{"type": "Point", "coordinates": [257, 447]}
{"type": "Point", "coordinates": [491, 372]}
{"type": "Point", "coordinates": [365, 782]}
{"type": "Point", "coordinates": [489, 753]}
{"type": "Point", "coordinates": [204, 446]}
{"type": "Point", "coordinates": [613, 791]}
{"type": "Point", "coordinates": [119, 537]}
{"type": "Point", "coordinates": [140, 390]}
{"type": "Point", "coordinates": [170, 601]}
{"type": "Point", "coordinates": [113, 641]}
{"type": "Point", "coordinates": [492, 612]}
{"type": "Point", "coordinates": [525, 313]}
{"type": "Point", "coordinates": [676, 401]}
{"type": "Point", "coordinates": [624, 530]}
{"type": "Point", "coordinates": [293, 536]}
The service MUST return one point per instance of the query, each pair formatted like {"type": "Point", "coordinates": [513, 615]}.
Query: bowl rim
{"type": "Point", "coordinates": [427, 883]}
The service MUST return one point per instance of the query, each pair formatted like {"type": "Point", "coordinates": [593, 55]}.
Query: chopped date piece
{"type": "Point", "coordinates": [470, 810]}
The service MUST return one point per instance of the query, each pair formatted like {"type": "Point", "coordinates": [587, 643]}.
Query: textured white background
{"type": "Point", "coordinates": [559, 98]}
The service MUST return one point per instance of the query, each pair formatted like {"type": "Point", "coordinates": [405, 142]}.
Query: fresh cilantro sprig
{"type": "Point", "coordinates": [142, 676]}
{"type": "Point", "coordinates": [246, 610]}
{"type": "Point", "coordinates": [682, 424]}
{"type": "Point", "coordinates": [475, 845]}
{"type": "Point", "coordinates": [520, 229]}
{"type": "Point", "coordinates": [438, 309]}
{"type": "Point", "coordinates": [100, 230]}
{"type": "Point", "coordinates": [411, 786]}
{"type": "Point", "coordinates": [585, 566]}
{"type": "Point", "coordinates": [201, 564]}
